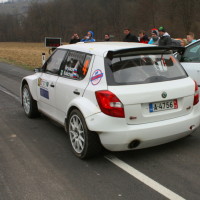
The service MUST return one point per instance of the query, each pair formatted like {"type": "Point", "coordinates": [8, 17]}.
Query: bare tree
{"type": "Point", "coordinates": [188, 11]}
{"type": "Point", "coordinates": [61, 18]}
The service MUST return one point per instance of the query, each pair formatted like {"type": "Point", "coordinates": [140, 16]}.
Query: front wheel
{"type": "Point", "coordinates": [84, 143]}
{"type": "Point", "coordinates": [29, 104]}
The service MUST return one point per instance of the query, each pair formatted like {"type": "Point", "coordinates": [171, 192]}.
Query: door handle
{"type": "Point", "coordinates": [76, 92]}
{"type": "Point", "coordinates": [52, 85]}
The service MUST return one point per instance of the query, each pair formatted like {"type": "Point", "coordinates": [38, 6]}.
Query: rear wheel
{"type": "Point", "coordinates": [84, 143]}
{"type": "Point", "coordinates": [29, 104]}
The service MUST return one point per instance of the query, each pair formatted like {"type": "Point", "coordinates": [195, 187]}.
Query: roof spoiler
{"type": "Point", "coordinates": [144, 50]}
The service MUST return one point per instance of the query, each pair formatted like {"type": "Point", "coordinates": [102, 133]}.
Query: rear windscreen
{"type": "Point", "coordinates": [141, 69]}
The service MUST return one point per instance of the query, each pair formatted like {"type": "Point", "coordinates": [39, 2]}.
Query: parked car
{"type": "Point", "coordinates": [118, 95]}
{"type": "Point", "coordinates": [190, 60]}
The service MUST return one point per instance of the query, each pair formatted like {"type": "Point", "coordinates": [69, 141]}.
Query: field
{"type": "Point", "coordinates": [28, 55]}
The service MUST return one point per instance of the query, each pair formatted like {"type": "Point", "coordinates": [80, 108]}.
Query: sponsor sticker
{"type": "Point", "coordinates": [75, 75]}
{"type": "Point", "coordinates": [96, 77]}
{"type": "Point", "coordinates": [43, 88]}
{"type": "Point", "coordinates": [42, 83]}
{"type": "Point", "coordinates": [44, 93]}
{"type": "Point", "coordinates": [39, 81]}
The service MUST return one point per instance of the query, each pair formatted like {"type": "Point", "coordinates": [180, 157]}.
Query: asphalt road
{"type": "Point", "coordinates": [36, 161]}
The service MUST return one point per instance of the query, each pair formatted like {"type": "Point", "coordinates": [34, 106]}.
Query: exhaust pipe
{"type": "Point", "coordinates": [192, 127]}
{"type": "Point", "coordinates": [134, 144]}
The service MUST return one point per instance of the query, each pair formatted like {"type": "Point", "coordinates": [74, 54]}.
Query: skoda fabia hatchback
{"type": "Point", "coordinates": [121, 96]}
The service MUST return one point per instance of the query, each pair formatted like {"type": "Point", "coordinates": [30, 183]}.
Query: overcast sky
{"type": "Point", "coordinates": [2, 1]}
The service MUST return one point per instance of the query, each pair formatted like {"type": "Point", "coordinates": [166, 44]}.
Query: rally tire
{"type": "Point", "coordinates": [85, 143]}
{"type": "Point", "coordinates": [29, 104]}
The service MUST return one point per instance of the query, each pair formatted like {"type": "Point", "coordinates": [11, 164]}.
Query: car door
{"type": "Point", "coordinates": [191, 61]}
{"type": "Point", "coordinates": [47, 83]}
{"type": "Point", "coordinates": [73, 81]}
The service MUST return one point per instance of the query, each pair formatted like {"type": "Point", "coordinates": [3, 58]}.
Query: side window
{"type": "Point", "coordinates": [54, 62]}
{"type": "Point", "coordinates": [192, 53]}
{"type": "Point", "coordinates": [76, 65]}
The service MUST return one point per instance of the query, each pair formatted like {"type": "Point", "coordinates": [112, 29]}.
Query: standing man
{"type": "Point", "coordinates": [143, 37]}
{"type": "Point", "coordinates": [190, 37]}
{"type": "Point", "coordinates": [154, 37]}
{"type": "Point", "coordinates": [107, 37]}
{"type": "Point", "coordinates": [74, 39]}
{"type": "Point", "coordinates": [165, 39]}
{"type": "Point", "coordinates": [129, 37]}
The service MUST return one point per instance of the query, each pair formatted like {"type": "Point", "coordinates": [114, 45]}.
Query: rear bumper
{"type": "Point", "coordinates": [116, 135]}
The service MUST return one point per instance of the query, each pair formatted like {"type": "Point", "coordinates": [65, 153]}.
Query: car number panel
{"type": "Point", "coordinates": [163, 105]}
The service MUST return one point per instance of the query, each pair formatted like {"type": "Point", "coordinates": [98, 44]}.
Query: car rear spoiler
{"type": "Point", "coordinates": [144, 50]}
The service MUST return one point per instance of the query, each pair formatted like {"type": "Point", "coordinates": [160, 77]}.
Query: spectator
{"type": "Point", "coordinates": [89, 37]}
{"type": "Point", "coordinates": [154, 37]}
{"type": "Point", "coordinates": [74, 39]}
{"type": "Point", "coordinates": [107, 37]}
{"type": "Point", "coordinates": [143, 37]}
{"type": "Point", "coordinates": [190, 37]}
{"type": "Point", "coordinates": [129, 37]}
{"type": "Point", "coordinates": [165, 39]}
{"type": "Point", "coordinates": [184, 42]}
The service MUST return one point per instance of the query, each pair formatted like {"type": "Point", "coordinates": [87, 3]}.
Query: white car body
{"type": "Point", "coordinates": [140, 128]}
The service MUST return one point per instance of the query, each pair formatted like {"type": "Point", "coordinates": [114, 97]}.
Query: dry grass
{"type": "Point", "coordinates": [28, 55]}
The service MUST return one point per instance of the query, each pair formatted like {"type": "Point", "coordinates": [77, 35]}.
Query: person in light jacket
{"type": "Point", "coordinates": [154, 37]}
{"type": "Point", "coordinates": [89, 37]}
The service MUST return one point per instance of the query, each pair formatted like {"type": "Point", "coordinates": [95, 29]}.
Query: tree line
{"type": "Point", "coordinates": [62, 18]}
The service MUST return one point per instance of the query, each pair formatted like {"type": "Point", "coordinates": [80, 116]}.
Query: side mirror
{"type": "Point", "coordinates": [178, 56]}
{"type": "Point", "coordinates": [38, 69]}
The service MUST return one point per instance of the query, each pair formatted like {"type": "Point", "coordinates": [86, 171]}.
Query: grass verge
{"type": "Point", "coordinates": [26, 55]}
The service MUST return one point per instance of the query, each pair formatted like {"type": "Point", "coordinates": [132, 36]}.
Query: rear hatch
{"type": "Point", "coordinates": [156, 101]}
{"type": "Point", "coordinates": [152, 86]}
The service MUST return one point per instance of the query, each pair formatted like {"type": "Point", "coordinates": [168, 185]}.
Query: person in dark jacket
{"type": "Point", "coordinates": [143, 37]}
{"type": "Point", "coordinates": [165, 39]}
{"type": "Point", "coordinates": [129, 37]}
{"type": "Point", "coordinates": [74, 39]}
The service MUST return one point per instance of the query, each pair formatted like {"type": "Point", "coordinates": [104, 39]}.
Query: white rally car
{"type": "Point", "coordinates": [118, 95]}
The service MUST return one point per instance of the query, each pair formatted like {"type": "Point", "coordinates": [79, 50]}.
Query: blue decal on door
{"type": "Point", "coordinates": [44, 93]}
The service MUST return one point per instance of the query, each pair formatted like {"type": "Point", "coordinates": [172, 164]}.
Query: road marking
{"type": "Point", "coordinates": [143, 178]}
{"type": "Point", "coordinates": [9, 93]}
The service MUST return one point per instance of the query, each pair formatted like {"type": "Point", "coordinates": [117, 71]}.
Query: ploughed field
{"type": "Point", "coordinates": [28, 55]}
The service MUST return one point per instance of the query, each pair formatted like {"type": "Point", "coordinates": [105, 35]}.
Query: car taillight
{"type": "Point", "coordinates": [110, 104]}
{"type": "Point", "coordinates": [196, 94]}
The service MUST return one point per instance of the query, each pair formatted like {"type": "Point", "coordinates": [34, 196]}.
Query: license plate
{"type": "Point", "coordinates": [164, 105]}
